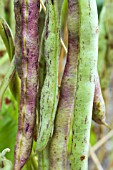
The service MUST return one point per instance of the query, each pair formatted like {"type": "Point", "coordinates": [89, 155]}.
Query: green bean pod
{"type": "Point", "coordinates": [86, 72]}
{"type": "Point", "coordinates": [49, 93]}
{"type": "Point", "coordinates": [42, 67]}
{"type": "Point", "coordinates": [43, 159]}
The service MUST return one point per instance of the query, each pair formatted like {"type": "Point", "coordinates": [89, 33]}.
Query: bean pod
{"type": "Point", "coordinates": [99, 105]}
{"type": "Point", "coordinates": [29, 82]}
{"type": "Point", "coordinates": [49, 93]}
{"type": "Point", "coordinates": [59, 141]}
{"type": "Point", "coordinates": [86, 72]}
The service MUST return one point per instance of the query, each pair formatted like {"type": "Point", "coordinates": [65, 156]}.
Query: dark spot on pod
{"type": "Point", "coordinates": [7, 9]}
{"type": "Point", "coordinates": [86, 120]}
{"type": "Point", "coordinates": [38, 5]}
{"type": "Point", "coordinates": [29, 12]}
{"type": "Point", "coordinates": [90, 78]}
{"type": "Point", "coordinates": [41, 65]}
{"type": "Point", "coordinates": [1, 53]}
{"type": "Point", "coordinates": [65, 137]}
{"type": "Point", "coordinates": [36, 15]}
{"type": "Point", "coordinates": [47, 126]}
{"type": "Point", "coordinates": [26, 127]}
{"type": "Point", "coordinates": [106, 37]}
{"type": "Point", "coordinates": [27, 51]}
{"type": "Point", "coordinates": [82, 158]}
{"type": "Point", "coordinates": [7, 101]}
{"type": "Point", "coordinates": [111, 46]}
{"type": "Point", "coordinates": [25, 59]}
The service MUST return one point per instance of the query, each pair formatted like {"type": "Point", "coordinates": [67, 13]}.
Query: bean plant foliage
{"type": "Point", "coordinates": [51, 90]}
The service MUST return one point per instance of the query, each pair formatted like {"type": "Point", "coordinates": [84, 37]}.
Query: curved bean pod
{"type": "Point", "coordinates": [86, 72]}
{"type": "Point", "coordinates": [27, 109]}
{"type": "Point", "coordinates": [59, 141]}
{"type": "Point", "coordinates": [42, 67]}
{"type": "Point", "coordinates": [49, 94]}
{"type": "Point", "coordinates": [99, 105]}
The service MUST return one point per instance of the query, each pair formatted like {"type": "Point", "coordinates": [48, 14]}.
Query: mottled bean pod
{"type": "Point", "coordinates": [49, 93]}
{"type": "Point", "coordinates": [59, 141]}
{"type": "Point", "coordinates": [29, 82]}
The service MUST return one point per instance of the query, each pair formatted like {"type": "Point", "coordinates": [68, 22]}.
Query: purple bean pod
{"type": "Point", "coordinates": [29, 82]}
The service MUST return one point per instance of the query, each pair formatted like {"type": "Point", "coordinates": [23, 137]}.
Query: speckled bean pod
{"type": "Point", "coordinates": [86, 72]}
{"type": "Point", "coordinates": [59, 141]}
{"type": "Point", "coordinates": [49, 93]}
{"type": "Point", "coordinates": [29, 82]}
